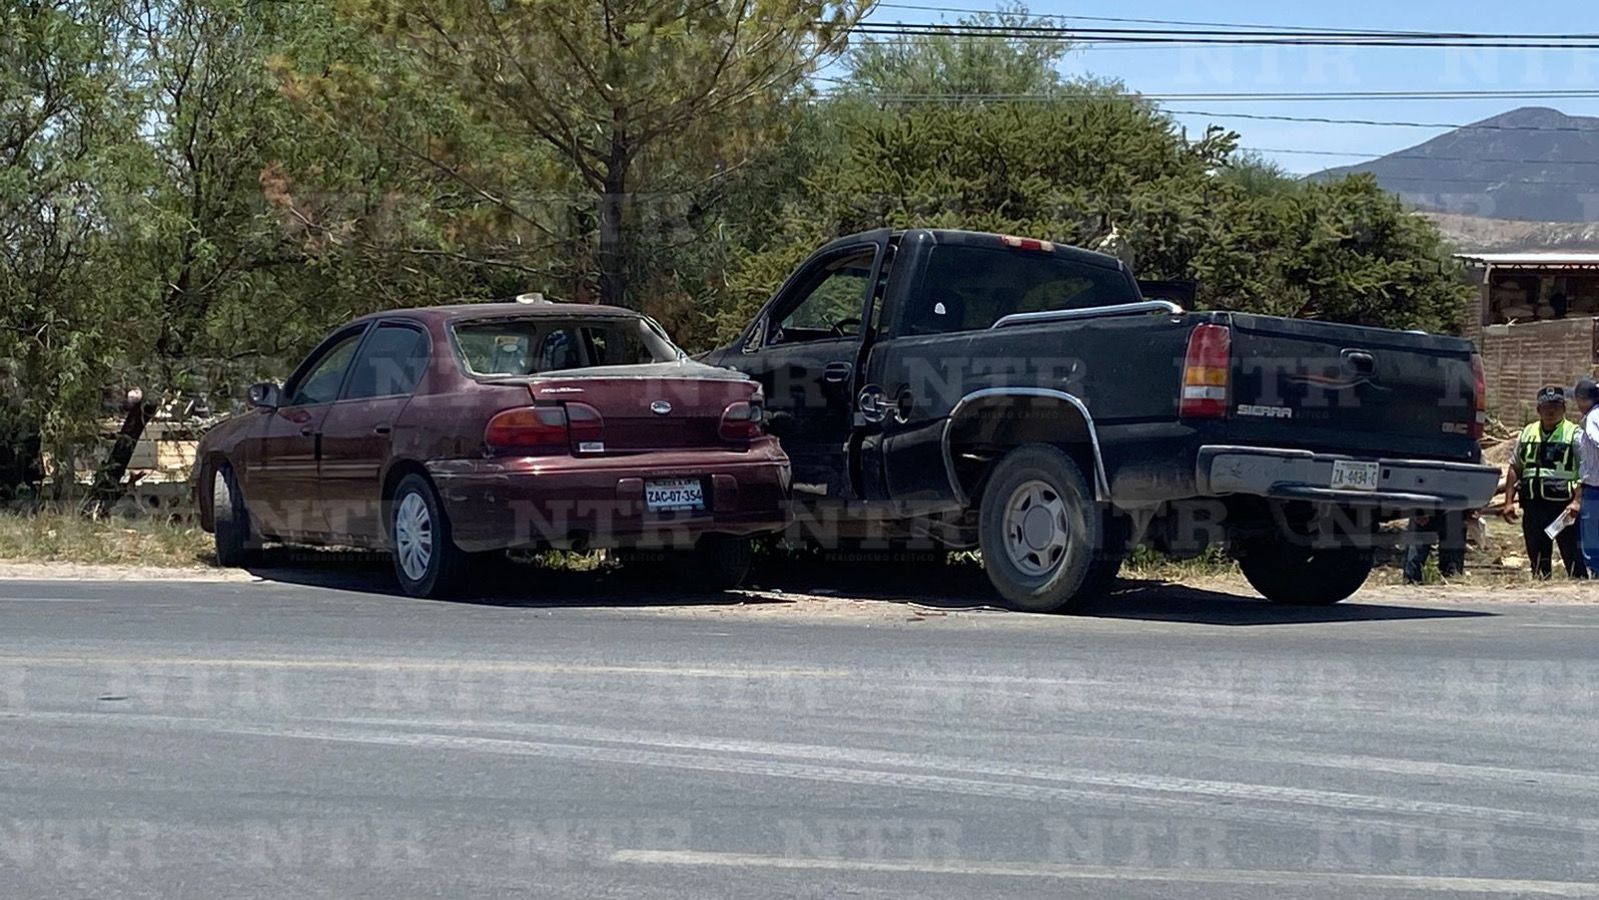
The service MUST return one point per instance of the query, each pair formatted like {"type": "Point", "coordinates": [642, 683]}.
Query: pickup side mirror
{"type": "Point", "coordinates": [265, 395]}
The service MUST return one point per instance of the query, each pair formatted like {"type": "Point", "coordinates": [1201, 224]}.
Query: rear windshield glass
{"type": "Point", "coordinates": [969, 288]}
{"type": "Point", "coordinates": [533, 345]}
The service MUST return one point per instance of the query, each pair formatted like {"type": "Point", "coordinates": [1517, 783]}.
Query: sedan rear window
{"type": "Point", "coordinates": [534, 345]}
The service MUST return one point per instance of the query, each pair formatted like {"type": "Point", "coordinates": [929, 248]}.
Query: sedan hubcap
{"type": "Point", "coordinates": [1036, 530]}
{"type": "Point", "coordinates": [413, 536]}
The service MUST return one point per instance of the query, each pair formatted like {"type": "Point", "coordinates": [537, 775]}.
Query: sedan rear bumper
{"type": "Point", "coordinates": [1303, 475]}
{"type": "Point", "coordinates": [540, 501]}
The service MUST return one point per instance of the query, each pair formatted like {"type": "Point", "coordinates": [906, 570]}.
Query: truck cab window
{"type": "Point", "coordinates": [831, 307]}
{"type": "Point", "coordinates": [971, 288]}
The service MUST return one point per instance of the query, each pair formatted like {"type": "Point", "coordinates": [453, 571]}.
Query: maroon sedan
{"type": "Point", "coordinates": [447, 433]}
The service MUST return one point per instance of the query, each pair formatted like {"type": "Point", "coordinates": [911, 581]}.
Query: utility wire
{"type": "Point", "coordinates": [1426, 158]}
{"type": "Point", "coordinates": [1235, 37]}
{"type": "Point", "coordinates": [1324, 120]}
{"type": "Point", "coordinates": [1061, 17]}
{"type": "Point", "coordinates": [1292, 96]}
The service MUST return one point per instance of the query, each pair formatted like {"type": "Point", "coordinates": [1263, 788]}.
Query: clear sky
{"type": "Point", "coordinates": [1159, 69]}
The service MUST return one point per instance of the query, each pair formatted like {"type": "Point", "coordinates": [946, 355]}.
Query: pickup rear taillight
{"type": "Point", "coordinates": [1207, 371]}
{"type": "Point", "coordinates": [743, 421]}
{"type": "Point", "coordinates": [544, 429]}
{"type": "Point", "coordinates": [1479, 425]}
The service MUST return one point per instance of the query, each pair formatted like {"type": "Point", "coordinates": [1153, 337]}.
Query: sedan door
{"type": "Point", "coordinates": [358, 430]}
{"type": "Point", "coordinates": [281, 484]}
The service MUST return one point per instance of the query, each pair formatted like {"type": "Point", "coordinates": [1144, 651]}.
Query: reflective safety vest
{"type": "Point", "coordinates": [1548, 464]}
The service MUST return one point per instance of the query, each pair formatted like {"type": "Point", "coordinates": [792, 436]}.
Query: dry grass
{"type": "Point", "coordinates": [66, 537]}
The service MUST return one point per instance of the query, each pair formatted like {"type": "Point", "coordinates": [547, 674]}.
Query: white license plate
{"type": "Point", "coordinates": [1354, 475]}
{"type": "Point", "coordinates": [674, 493]}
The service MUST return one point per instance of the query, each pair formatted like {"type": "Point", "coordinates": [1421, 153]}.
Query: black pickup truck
{"type": "Point", "coordinates": [1023, 397]}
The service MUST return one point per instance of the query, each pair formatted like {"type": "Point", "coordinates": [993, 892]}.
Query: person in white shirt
{"type": "Point", "coordinates": [1586, 503]}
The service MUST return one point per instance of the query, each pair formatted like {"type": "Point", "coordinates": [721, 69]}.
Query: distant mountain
{"type": "Point", "coordinates": [1531, 164]}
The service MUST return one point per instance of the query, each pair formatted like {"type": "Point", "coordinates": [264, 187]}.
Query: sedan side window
{"type": "Point", "coordinates": [321, 380]}
{"type": "Point", "coordinates": [390, 363]}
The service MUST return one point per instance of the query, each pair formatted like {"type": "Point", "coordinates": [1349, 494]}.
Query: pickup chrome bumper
{"type": "Point", "coordinates": [1304, 475]}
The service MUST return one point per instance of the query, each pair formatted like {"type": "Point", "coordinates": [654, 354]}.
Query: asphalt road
{"type": "Point", "coordinates": [280, 739]}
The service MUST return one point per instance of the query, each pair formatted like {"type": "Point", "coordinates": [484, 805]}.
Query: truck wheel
{"type": "Point", "coordinates": [230, 521]}
{"type": "Point", "coordinates": [1300, 576]}
{"type": "Point", "coordinates": [1039, 529]}
{"type": "Point", "coordinates": [426, 561]}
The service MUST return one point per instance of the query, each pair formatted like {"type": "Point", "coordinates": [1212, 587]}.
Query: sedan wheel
{"type": "Point", "coordinates": [230, 520]}
{"type": "Point", "coordinates": [413, 537]}
{"type": "Point", "coordinates": [426, 561]}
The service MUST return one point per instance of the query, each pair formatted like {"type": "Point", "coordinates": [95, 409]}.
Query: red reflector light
{"type": "Point", "coordinates": [1479, 425]}
{"type": "Point", "coordinates": [587, 428]}
{"type": "Point", "coordinates": [1021, 243]}
{"type": "Point", "coordinates": [529, 428]}
{"type": "Point", "coordinates": [1207, 373]}
{"type": "Point", "coordinates": [742, 421]}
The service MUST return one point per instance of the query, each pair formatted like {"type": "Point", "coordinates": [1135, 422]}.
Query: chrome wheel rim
{"type": "Point", "coordinates": [1037, 533]}
{"type": "Point", "coordinates": [413, 536]}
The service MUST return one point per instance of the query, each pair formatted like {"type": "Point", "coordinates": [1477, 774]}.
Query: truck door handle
{"type": "Point", "coordinates": [1360, 361]}
{"type": "Point", "coordinates": [306, 431]}
{"type": "Point", "coordinates": [382, 429]}
{"type": "Point", "coordinates": [836, 372]}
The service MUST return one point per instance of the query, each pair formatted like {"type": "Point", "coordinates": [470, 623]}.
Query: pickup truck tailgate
{"type": "Point", "coordinates": [1350, 389]}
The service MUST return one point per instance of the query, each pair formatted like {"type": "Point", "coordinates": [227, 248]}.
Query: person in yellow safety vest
{"type": "Point", "coordinates": [1543, 476]}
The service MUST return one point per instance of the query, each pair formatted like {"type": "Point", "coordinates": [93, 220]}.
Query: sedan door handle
{"type": "Point", "coordinates": [381, 429]}
{"type": "Point", "coordinates": [306, 431]}
{"type": "Point", "coordinates": [836, 372]}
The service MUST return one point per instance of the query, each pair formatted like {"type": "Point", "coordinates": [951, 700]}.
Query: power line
{"type": "Point", "coordinates": [1425, 157]}
{"type": "Point", "coordinates": [1237, 37]}
{"type": "Point", "coordinates": [1297, 96]}
{"type": "Point", "coordinates": [1323, 120]}
{"type": "Point", "coordinates": [1061, 17]}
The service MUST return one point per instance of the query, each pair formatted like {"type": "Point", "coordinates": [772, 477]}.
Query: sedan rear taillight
{"type": "Point", "coordinates": [1207, 370]}
{"type": "Point", "coordinates": [535, 429]}
{"type": "Point", "coordinates": [743, 421]}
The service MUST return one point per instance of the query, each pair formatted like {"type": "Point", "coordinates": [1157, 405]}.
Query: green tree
{"type": "Point", "coordinates": [67, 292]}
{"type": "Point", "coordinates": [624, 92]}
{"type": "Point", "coordinates": [957, 65]}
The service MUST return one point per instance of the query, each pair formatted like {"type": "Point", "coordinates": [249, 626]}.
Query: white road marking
{"type": "Point", "coordinates": [1255, 804]}
{"type": "Point", "coordinates": [1257, 877]}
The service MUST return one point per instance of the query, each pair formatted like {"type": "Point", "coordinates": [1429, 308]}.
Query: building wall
{"type": "Point", "coordinates": [1519, 359]}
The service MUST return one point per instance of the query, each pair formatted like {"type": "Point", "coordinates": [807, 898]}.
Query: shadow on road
{"type": "Point", "coordinates": [956, 587]}
{"type": "Point", "coordinates": [930, 586]}
{"type": "Point", "coordinates": [500, 583]}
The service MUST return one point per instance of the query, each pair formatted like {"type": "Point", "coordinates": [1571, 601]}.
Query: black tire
{"type": "Point", "coordinates": [1301, 576]}
{"type": "Point", "coordinates": [1054, 577]}
{"type": "Point", "coordinates": [1107, 565]}
{"type": "Point", "coordinates": [717, 562]}
{"type": "Point", "coordinates": [439, 571]}
{"type": "Point", "coordinates": [236, 543]}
